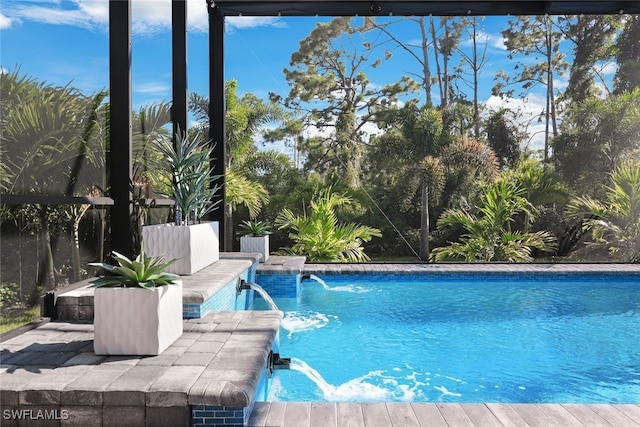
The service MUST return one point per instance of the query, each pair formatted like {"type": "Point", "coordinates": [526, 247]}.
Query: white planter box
{"type": "Point", "coordinates": [255, 244]}
{"type": "Point", "coordinates": [194, 246]}
{"type": "Point", "coordinates": [136, 321]}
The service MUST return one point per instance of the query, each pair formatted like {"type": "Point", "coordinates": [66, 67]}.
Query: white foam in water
{"type": "Point", "coordinates": [346, 288]}
{"type": "Point", "coordinates": [359, 389]}
{"type": "Point", "coordinates": [446, 392]}
{"type": "Point", "coordinates": [295, 321]}
{"type": "Point", "coordinates": [350, 288]}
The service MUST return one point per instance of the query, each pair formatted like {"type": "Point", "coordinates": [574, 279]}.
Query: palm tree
{"type": "Point", "coordinates": [417, 158]}
{"type": "Point", "coordinates": [243, 191]}
{"type": "Point", "coordinates": [488, 234]}
{"type": "Point", "coordinates": [615, 224]}
{"type": "Point", "coordinates": [320, 237]}
{"type": "Point", "coordinates": [244, 119]}
{"type": "Point", "coordinates": [50, 145]}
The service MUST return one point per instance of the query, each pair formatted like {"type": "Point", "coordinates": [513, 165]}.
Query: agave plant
{"type": "Point", "coordinates": [145, 272]}
{"type": "Point", "coordinates": [254, 228]}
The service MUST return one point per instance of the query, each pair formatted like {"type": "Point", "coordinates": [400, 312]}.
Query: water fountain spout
{"type": "Point", "coordinates": [277, 363]}
{"type": "Point", "coordinates": [242, 285]}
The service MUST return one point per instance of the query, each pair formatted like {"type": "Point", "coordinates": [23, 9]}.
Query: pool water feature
{"type": "Point", "coordinates": [243, 285]}
{"type": "Point", "coordinates": [371, 338]}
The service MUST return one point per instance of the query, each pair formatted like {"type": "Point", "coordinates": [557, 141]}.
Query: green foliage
{"type": "Point", "coordinates": [243, 191]}
{"type": "Point", "coordinates": [503, 136]}
{"type": "Point", "coordinates": [320, 237]}
{"type": "Point", "coordinates": [193, 185]}
{"type": "Point", "coordinates": [331, 91]}
{"type": "Point", "coordinates": [601, 134]}
{"type": "Point", "coordinates": [145, 272]}
{"type": "Point", "coordinates": [488, 234]}
{"type": "Point", "coordinates": [50, 140]}
{"type": "Point", "coordinates": [16, 317]}
{"type": "Point", "coordinates": [9, 295]}
{"type": "Point", "coordinates": [254, 228]}
{"type": "Point", "coordinates": [627, 46]}
{"type": "Point", "coordinates": [615, 222]}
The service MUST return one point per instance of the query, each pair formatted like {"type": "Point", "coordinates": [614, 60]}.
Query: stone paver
{"type": "Point", "coordinates": [315, 414]}
{"type": "Point", "coordinates": [54, 366]}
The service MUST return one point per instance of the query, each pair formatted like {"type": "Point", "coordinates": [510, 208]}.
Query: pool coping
{"type": "Point", "coordinates": [218, 362]}
{"type": "Point", "coordinates": [483, 268]}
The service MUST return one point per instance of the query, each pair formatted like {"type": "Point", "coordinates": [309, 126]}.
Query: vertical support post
{"type": "Point", "coordinates": [179, 66]}
{"type": "Point", "coordinates": [119, 154]}
{"type": "Point", "coordinates": [217, 109]}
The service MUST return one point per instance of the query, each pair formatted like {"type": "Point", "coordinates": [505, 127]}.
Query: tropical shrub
{"type": "Point", "coordinates": [489, 234]}
{"type": "Point", "coordinates": [320, 237]}
{"type": "Point", "coordinates": [614, 223]}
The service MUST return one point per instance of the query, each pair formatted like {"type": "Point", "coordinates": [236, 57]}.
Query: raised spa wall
{"type": "Point", "coordinates": [280, 277]}
{"type": "Point", "coordinates": [209, 291]}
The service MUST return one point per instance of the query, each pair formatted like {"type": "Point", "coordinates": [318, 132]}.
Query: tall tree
{"type": "Point", "coordinates": [538, 38]}
{"type": "Point", "coordinates": [446, 38]}
{"type": "Point", "coordinates": [331, 92]}
{"type": "Point", "coordinates": [600, 135]}
{"type": "Point", "coordinates": [471, 63]}
{"type": "Point", "coordinates": [504, 137]}
{"type": "Point", "coordinates": [627, 77]}
{"type": "Point", "coordinates": [409, 149]}
{"type": "Point", "coordinates": [244, 119]}
{"type": "Point", "coordinates": [418, 51]}
{"type": "Point", "coordinates": [592, 37]}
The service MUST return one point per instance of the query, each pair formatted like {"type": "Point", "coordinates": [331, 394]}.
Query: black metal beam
{"type": "Point", "coordinates": [119, 154]}
{"type": "Point", "coordinates": [217, 108]}
{"type": "Point", "coordinates": [179, 65]}
{"type": "Point", "coordinates": [421, 7]}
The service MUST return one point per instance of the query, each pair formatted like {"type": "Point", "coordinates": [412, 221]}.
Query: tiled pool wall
{"type": "Point", "coordinates": [210, 415]}
{"type": "Point", "coordinates": [280, 285]}
{"type": "Point", "coordinates": [226, 299]}
{"type": "Point", "coordinates": [480, 277]}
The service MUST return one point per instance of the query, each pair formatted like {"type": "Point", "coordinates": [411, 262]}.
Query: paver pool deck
{"type": "Point", "coordinates": [219, 359]}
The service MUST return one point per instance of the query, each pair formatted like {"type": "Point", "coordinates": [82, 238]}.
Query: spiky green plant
{"type": "Point", "coordinates": [145, 272]}
{"type": "Point", "coordinates": [615, 221]}
{"type": "Point", "coordinates": [193, 184]}
{"type": "Point", "coordinates": [254, 228]}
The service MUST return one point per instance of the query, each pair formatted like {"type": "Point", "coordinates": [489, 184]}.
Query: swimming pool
{"type": "Point", "coordinates": [486, 339]}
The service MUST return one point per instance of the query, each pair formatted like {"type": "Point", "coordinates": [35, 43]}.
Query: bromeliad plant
{"type": "Point", "coordinates": [145, 272]}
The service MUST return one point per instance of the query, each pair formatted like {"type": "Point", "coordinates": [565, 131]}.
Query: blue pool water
{"type": "Point", "coordinates": [407, 339]}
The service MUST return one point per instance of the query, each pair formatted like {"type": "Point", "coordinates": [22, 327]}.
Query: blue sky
{"type": "Point", "coordinates": [66, 41]}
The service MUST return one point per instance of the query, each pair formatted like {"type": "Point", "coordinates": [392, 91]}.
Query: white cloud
{"type": "Point", "coordinates": [5, 22]}
{"type": "Point", "coordinates": [494, 41]}
{"type": "Point", "coordinates": [244, 22]}
{"type": "Point", "coordinates": [98, 10]}
{"type": "Point", "coordinates": [610, 68]}
{"type": "Point", "coordinates": [153, 88]}
{"type": "Point", "coordinates": [148, 16]}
